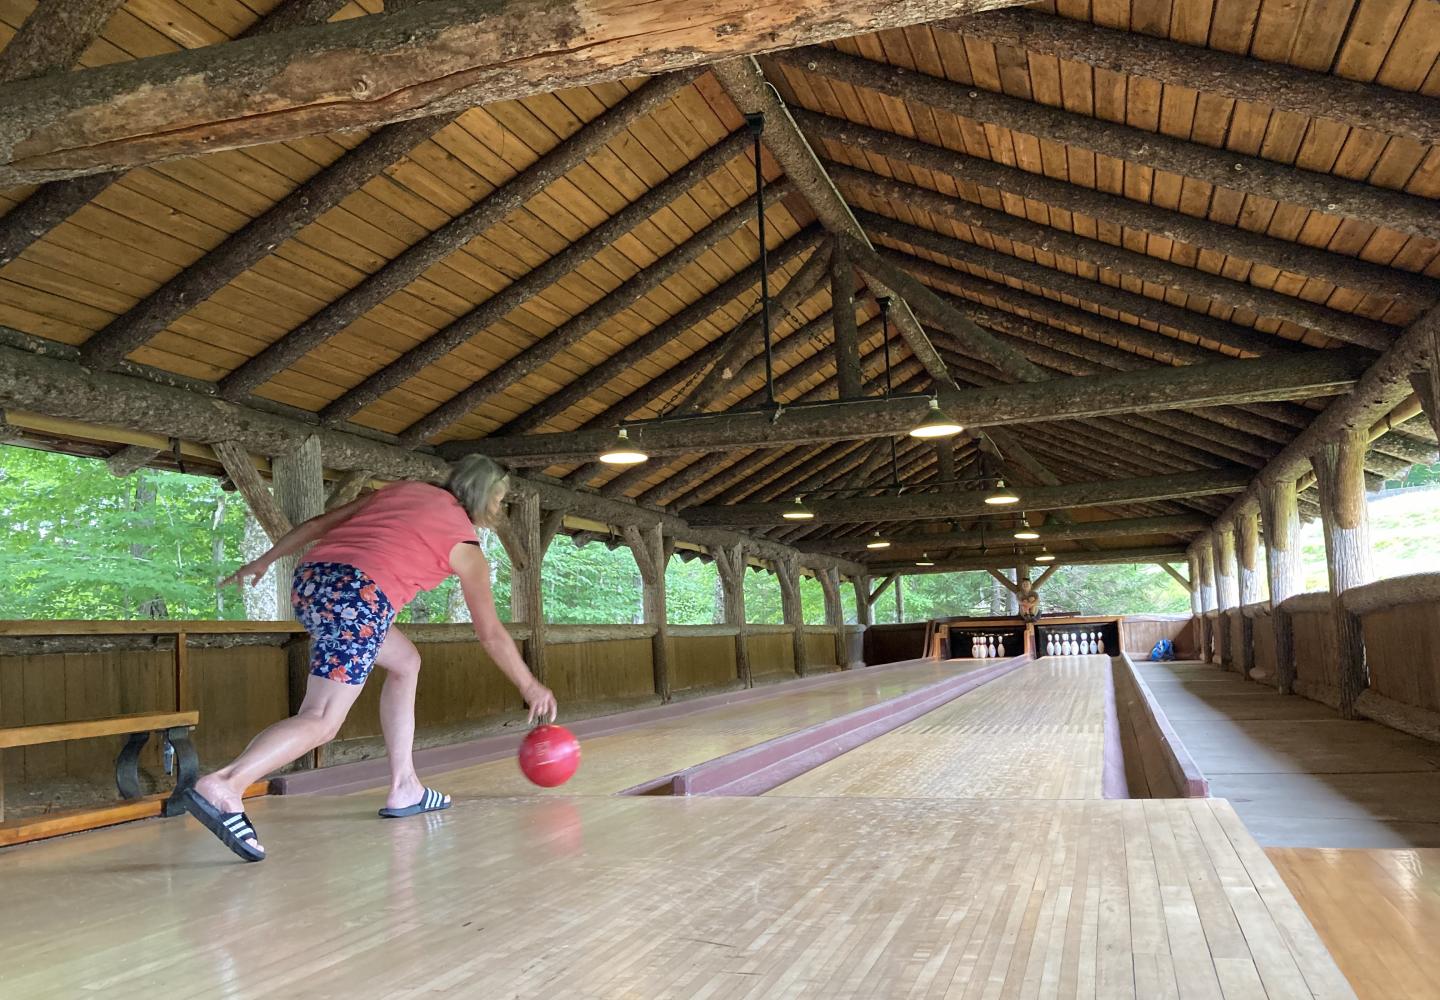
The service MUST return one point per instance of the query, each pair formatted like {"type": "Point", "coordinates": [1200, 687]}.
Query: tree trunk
{"type": "Point", "coordinates": [1280, 514]}
{"type": "Point", "coordinates": [152, 606]}
{"type": "Point", "coordinates": [1340, 476]}
{"type": "Point", "coordinates": [260, 600]}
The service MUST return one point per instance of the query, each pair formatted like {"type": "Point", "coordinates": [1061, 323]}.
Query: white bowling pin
{"type": "Point", "coordinates": [975, 647]}
{"type": "Point", "coordinates": [1071, 646]}
{"type": "Point", "coordinates": [990, 646]}
{"type": "Point", "coordinates": [1099, 642]}
{"type": "Point", "coordinates": [1049, 645]}
{"type": "Point", "coordinates": [1094, 642]}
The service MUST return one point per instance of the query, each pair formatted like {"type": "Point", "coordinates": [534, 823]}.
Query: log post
{"type": "Point", "coordinates": [899, 599]}
{"type": "Point", "coordinates": [730, 566]}
{"type": "Point", "coordinates": [1280, 516]}
{"type": "Point", "coordinates": [298, 478]}
{"type": "Point", "coordinates": [652, 551]}
{"type": "Point", "coordinates": [835, 613]}
{"type": "Point", "coordinates": [847, 337]}
{"type": "Point", "coordinates": [1207, 596]}
{"type": "Point", "coordinates": [787, 571]}
{"type": "Point", "coordinates": [524, 542]}
{"type": "Point", "coordinates": [861, 585]}
{"type": "Point", "coordinates": [1226, 591]}
{"type": "Point", "coordinates": [1247, 526]}
{"type": "Point", "coordinates": [1340, 475]}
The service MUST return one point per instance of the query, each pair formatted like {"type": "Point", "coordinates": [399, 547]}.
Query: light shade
{"type": "Point", "coordinates": [1001, 495]}
{"type": "Point", "coordinates": [936, 424]}
{"type": "Point", "coordinates": [924, 560]}
{"type": "Point", "coordinates": [1045, 556]}
{"type": "Point", "coordinates": [798, 512]}
{"type": "Point", "coordinates": [877, 542]}
{"type": "Point", "coordinates": [1025, 533]}
{"type": "Point", "coordinates": [622, 452]}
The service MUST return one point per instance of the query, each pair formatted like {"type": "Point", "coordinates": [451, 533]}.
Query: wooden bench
{"type": "Point", "coordinates": [175, 725]}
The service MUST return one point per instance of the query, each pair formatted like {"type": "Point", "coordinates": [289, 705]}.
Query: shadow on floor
{"type": "Point", "coordinates": [1296, 773]}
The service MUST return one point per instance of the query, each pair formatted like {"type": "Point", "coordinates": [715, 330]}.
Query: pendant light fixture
{"type": "Point", "coordinates": [1001, 495]}
{"type": "Point", "coordinates": [797, 511]}
{"type": "Point", "coordinates": [1025, 533]}
{"type": "Point", "coordinates": [1045, 556]}
{"type": "Point", "coordinates": [877, 542]}
{"type": "Point", "coordinates": [924, 560]}
{"type": "Point", "coordinates": [622, 451]}
{"type": "Point", "coordinates": [936, 424]}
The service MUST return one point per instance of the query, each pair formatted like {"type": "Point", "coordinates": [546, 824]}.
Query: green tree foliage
{"type": "Point", "coordinates": [77, 542]}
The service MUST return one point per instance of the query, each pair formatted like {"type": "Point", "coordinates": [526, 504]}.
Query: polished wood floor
{"type": "Point", "coordinates": [1298, 774]}
{"type": "Point", "coordinates": [887, 890]}
{"type": "Point", "coordinates": [611, 763]}
{"type": "Point", "coordinates": [1035, 733]}
{"type": "Point", "coordinates": [1377, 910]}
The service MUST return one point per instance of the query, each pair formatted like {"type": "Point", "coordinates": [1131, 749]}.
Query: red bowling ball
{"type": "Point", "coordinates": [549, 755]}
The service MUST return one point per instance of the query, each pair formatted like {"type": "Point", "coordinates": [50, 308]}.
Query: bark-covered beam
{"type": "Point", "coordinates": [1300, 376]}
{"type": "Point", "coordinates": [573, 330]}
{"type": "Point", "coordinates": [62, 389]}
{"type": "Point", "coordinates": [951, 504]}
{"type": "Point", "coordinates": [1175, 524]}
{"type": "Point", "coordinates": [130, 459]}
{"type": "Point", "coordinates": [1285, 88]}
{"type": "Point", "coordinates": [1202, 325]}
{"type": "Point", "coordinates": [449, 238]}
{"type": "Point", "coordinates": [256, 240]}
{"type": "Point", "coordinates": [744, 81]}
{"type": "Point", "coordinates": [847, 339]}
{"type": "Point", "coordinates": [54, 203]}
{"type": "Point", "coordinates": [646, 345]}
{"type": "Point", "coordinates": [427, 59]}
{"type": "Point", "coordinates": [1212, 240]}
{"type": "Point", "coordinates": [1160, 554]}
{"type": "Point", "coordinates": [1384, 386]}
{"type": "Point", "coordinates": [1190, 281]}
{"type": "Point", "coordinates": [54, 37]}
{"type": "Point", "coordinates": [1403, 213]}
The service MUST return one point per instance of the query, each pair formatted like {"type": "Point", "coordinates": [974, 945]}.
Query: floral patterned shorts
{"type": "Point", "coordinates": [346, 615]}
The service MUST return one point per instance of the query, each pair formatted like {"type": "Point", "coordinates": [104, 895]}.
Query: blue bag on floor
{"type": "Point", "coordinates": [1162, 650]}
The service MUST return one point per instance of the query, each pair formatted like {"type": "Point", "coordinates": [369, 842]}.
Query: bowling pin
{"type": "Point", "coordinates": [1071, 647]}
{"type": "Point", "coordinates": [1094, 642]}
{"type": "Point", "coordinates": [989, 645]}
{"type": "Point", "coordinates": [975, 647]}
{"type": "Point", "coordinates": [1100, 642]}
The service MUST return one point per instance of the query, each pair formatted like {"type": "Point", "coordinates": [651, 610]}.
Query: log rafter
{"type": "Point", "coordinates": [1403, 213]}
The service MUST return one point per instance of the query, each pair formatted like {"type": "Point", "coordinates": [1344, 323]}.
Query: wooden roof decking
{"type": "Point", "coordinates": [1027, 219]}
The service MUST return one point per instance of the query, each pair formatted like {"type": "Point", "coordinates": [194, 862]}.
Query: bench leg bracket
{"type": "Point", "coordinates": [187, 767]}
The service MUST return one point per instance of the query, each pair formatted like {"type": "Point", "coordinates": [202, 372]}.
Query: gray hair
{"type": "Point", "coordinates": [474, 481]}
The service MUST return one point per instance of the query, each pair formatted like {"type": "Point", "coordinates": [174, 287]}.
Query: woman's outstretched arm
{"type": "Point", "coordinates": [470, 566]}
{"type": "Point", "coordinates": [297, 538]}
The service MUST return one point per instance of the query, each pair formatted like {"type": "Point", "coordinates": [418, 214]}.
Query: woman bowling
{"type": "Point", "coordinates": [367, 561]}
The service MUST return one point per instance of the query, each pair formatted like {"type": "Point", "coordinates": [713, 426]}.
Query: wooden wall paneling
{"type": "Point", "coordinates": [598, 671]}
{"type": "Point", "coordinates": [1263, 634]}
{"type": "Point", "coordinates": [1402, 649]}
{"type": "Point", "coordinates": [771, 653]}
{"type": "Point", "coordinates": [1317, 675]}
{"type": "Point", "coordinates": [700, 661]}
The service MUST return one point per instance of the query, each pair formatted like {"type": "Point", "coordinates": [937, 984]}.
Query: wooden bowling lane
{"type": "Point", "coordinates": [1036, 733]}
{"type": "Point", "coordinates": [705, 899]}
{"type": "Point", "coordinates": [1377, 910]}
{"type": "Point", "coordinates": [610, 764]}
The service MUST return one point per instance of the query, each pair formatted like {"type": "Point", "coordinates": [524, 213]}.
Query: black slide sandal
{"type": "Point", "coordinates": [233, 829]}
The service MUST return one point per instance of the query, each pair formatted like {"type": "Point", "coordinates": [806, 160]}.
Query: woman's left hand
{"type": "Point", "coordinates": [250, 573]}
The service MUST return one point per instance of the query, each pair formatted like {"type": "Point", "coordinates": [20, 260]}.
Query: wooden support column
{"type": "Point", "coordinates": [835, 614]}
{"type": "Point", "coordinates": [652, 551]}
{"type": "Point", "coordinates": [847, 337]}
{"type": "Point", "coordinates": [730, 566]}
{"type": "Point", "coordinates": [298, 477]}
{"type": "Point", "coordinates": [1340, 475]}
{"type": "Point", "coordinates": [1226, 591]}
{"type": "Point", "coordinates": [239, 466]}
{"type": "Point", "coordinates": [1206, 548]}
{"type": "Point", "coordinates": [899, 599]}
{"type": "Point", "coordinates": [1280, 517]}
{"type": "Point", "coordinates": [863, 603]}
{"type": "Point", "coordinates": [347, 488]}
{"type": "Point", "coordinates": [787, 572]}
{"type": "Point", "coordinates": [1247, 526]}
{"type": "Point", "coordinates": [524, 541]}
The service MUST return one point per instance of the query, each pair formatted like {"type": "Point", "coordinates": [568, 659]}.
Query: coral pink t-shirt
{"type": "Point", "coordinates": [401, 538]}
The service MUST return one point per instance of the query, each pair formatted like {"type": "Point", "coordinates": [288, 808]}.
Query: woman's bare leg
{"type": "Point", "coordinates": [325, 706]}
{"type": "Point", "coordinates": [401, 661]}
